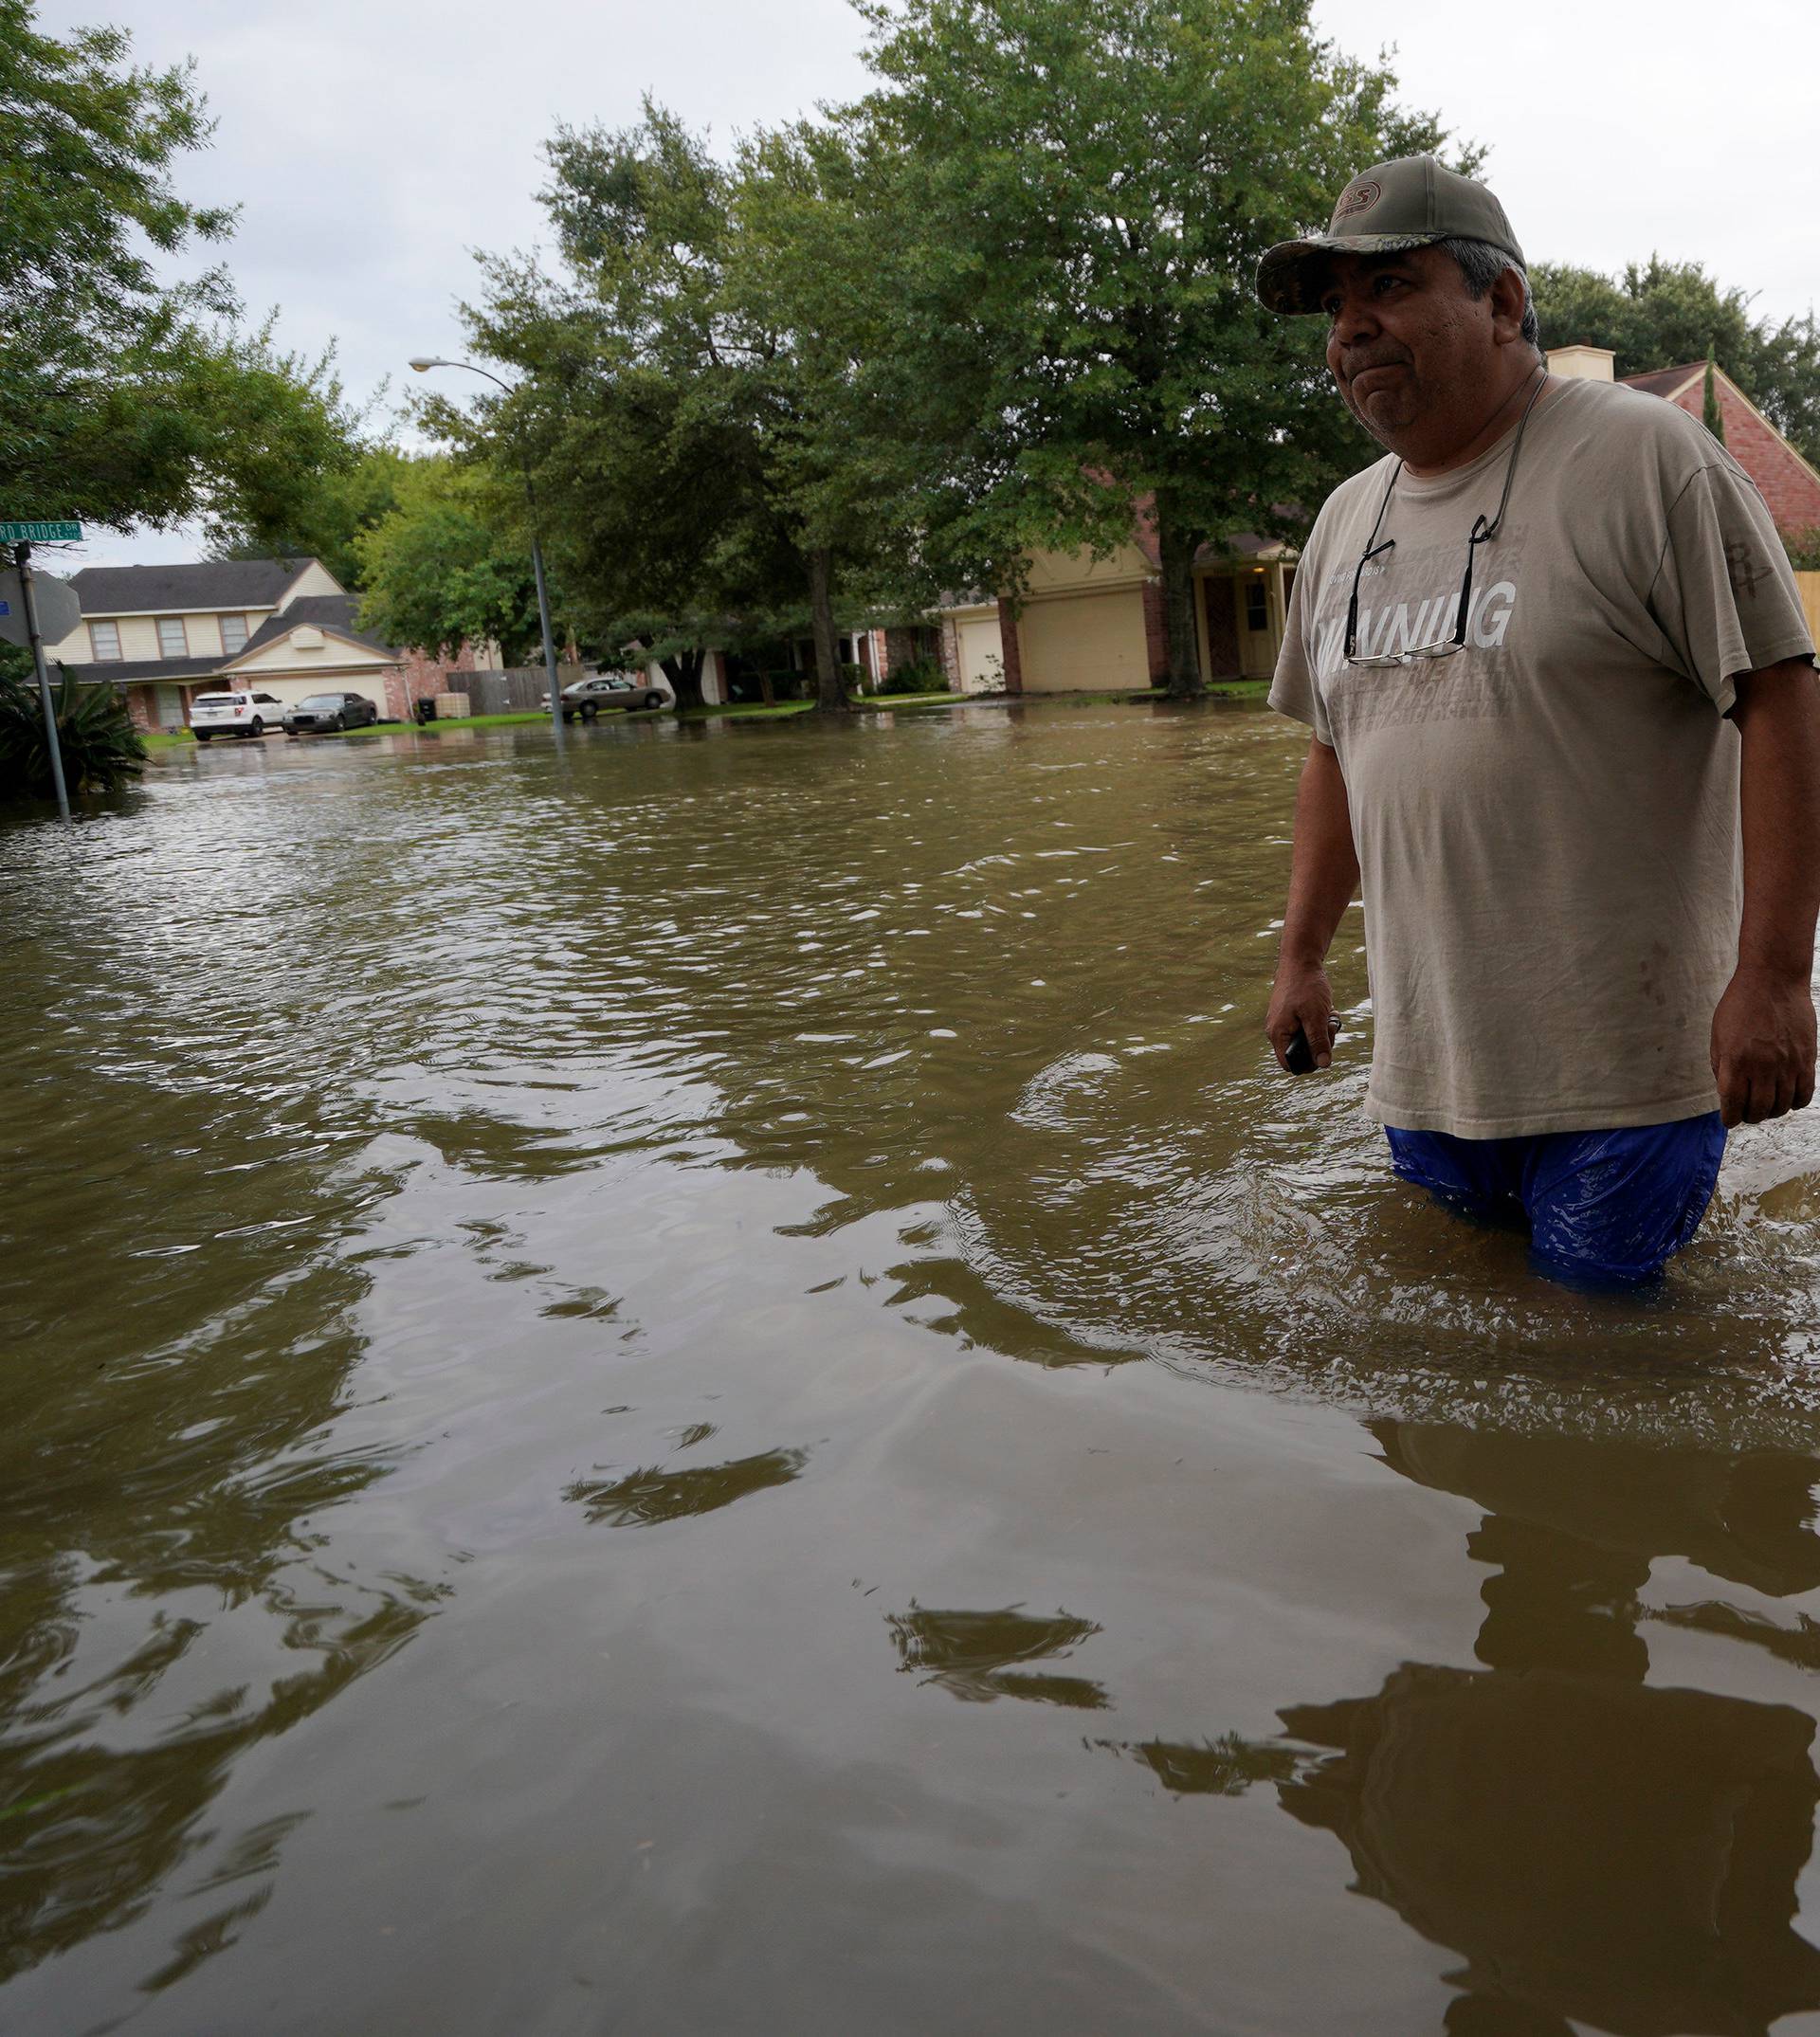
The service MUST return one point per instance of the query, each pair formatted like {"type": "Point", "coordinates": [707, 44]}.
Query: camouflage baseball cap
{"type": "Point", "coordinates": [1403, 204]}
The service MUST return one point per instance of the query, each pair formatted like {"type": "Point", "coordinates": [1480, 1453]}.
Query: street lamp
{"type": "Point", "coordinates": [423, 363]}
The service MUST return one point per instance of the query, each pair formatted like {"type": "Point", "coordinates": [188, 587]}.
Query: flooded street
{"type": "Point", "coordinates": [716, 1388]}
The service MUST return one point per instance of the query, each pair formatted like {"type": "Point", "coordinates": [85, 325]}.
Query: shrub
{"type": "Point", "coordinates": [921, 674]}
{"type": "Point", "coordinates": [1803, 548]}
{"type": "Point", "coordinates": [101, 747]}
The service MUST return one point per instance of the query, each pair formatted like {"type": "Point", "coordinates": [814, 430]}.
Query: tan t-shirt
{"type": "Point", "coordinates": [1547, 823]}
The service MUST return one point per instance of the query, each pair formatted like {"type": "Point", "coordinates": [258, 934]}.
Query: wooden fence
{"type": "Point", "coordinates": [523, 689]}
{"type": "Point", "coordinates": [1809, 585]}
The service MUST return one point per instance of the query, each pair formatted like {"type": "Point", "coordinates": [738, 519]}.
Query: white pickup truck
{"type": "Point", "coordinates": [234, 713]}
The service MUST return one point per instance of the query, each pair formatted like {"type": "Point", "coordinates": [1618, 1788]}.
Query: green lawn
{"type": "Point", "coordinates": [743, 711]}
{"type": "Point", "coordinates": [1232, 689]}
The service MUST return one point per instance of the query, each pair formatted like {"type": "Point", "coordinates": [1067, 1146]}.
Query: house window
{"type": "Point", "coordinates": [1257, 606]}
{"type": "Point", "coordinates": [172, 641]}
{"type": "Point", "coordinates": [104, 638]}
{"type": "Point", "coordinates": [233, 634]}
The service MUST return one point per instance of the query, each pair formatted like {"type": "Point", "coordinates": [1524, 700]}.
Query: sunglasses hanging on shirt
{"type": "Point", "coordinates": [1482, 532]}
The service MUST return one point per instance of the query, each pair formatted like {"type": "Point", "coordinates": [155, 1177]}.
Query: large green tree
{"type": "Point", "coordinates": [868, 455]}
{"type": "Point", "coordinates": [694, 398]}
{"type": "Point", "coordinates": [1672, 313]}
{"type": "Point", "coordinates": [1092, 182]}
{"type": "Point", "coordinates": [443, 566]}
{"type": "Point", "coordinates": [327, 519]}
{"type": "Point", "coordinates": [129, 397]}
{"type": "Point", "coordinates": [634, 400]}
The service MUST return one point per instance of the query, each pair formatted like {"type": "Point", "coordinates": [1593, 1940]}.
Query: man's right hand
{"type": "Point", "coordinates": [1301, 999]}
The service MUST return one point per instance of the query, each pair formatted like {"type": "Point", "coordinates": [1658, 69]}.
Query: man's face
{"type": "Point", "coordinates": [1413, 352]}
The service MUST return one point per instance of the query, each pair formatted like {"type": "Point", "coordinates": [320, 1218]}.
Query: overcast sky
{"type": "Point", "coordinates": [373, 144]}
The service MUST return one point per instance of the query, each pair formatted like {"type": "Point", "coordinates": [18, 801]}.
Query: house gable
{"type": "Point", "coordinates": [315, 579]}
{"type": "Point", "coordinates": [305, 651]}
{"type": "Point", "coordinates": [1786, 481]}
{"type": "Point", "coordinates": [1789, 484]}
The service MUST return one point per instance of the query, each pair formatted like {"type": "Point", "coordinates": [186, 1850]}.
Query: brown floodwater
{"type": "Point", "coordinates": [714, 1388]}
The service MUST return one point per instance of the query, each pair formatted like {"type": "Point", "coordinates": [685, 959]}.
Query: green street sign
{"type": "Point", "coordinates": [40, 534]}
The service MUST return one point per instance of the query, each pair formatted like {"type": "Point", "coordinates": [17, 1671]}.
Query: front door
{"type": "Point", "coordinates": [1257, 638]}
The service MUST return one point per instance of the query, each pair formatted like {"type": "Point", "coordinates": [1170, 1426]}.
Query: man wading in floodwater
{"type": "Point", "coordinates": [1552, 652]}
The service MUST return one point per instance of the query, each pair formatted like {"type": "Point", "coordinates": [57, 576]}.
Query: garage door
{"type": "Point", "coordinates": [291, 691]}
{"type": "Point", "coordinates": [982, 655]}
{"type": "Point", "coordinates": [1084, 644]}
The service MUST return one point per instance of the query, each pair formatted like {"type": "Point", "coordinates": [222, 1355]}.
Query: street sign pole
{"type": "Point", "coordinates": [549, 643]}
{"type": "Point", "coordinates": [22, 553]}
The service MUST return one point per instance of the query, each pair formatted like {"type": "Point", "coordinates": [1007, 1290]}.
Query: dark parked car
{"type": "Point", "coordinates": [325, 711]}
{"type": "Point", "coordinates": [606, 690]}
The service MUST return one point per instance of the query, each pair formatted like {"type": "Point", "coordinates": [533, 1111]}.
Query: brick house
{"type": "Point", "coordinates": [285, 626]}
{"type": "Point", "coordinates": [1789, 485]}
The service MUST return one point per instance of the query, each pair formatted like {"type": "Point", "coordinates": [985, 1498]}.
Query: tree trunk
{"type": "Point", "coordinates": [1175, 549]}
{"type": "Point", "coordinates": [683, 671]}
{"type": "Point", "coordinates": [831, 688]}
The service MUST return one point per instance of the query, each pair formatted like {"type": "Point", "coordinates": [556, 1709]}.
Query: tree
{"type": "Point", "coordinates": [128, 398]}
{"type": "Point", "coordinates": [691, 388]}
{"type": "Point", "coordinates": [341, 504]}
{"type": "Point", "coordinates": [439, 568]}
{"type": "Point", "coordinates": [1669, 313]}
{"type": "Point", "coordinates": [631, 400]}
{"type": "Point", "coordinates": [1710, 415]}
{"type": "Point", "coordinates": [867, 454]}
{"type": "Point", "coordinates": [1092, 182]}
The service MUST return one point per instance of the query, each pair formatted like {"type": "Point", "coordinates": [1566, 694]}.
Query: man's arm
{"type": "Point", "coordinates": [1323, 874]}
{"type": "Point", "coordinates": [1763, 1030]}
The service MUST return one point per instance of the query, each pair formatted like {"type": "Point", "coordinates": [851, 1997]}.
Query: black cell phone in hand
{"type": "Point", "coordinates": [1301, 1056]}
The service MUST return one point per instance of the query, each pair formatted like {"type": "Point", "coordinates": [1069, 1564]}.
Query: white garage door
{"type": "Point", "coordinates": [982, 654]}
{"type": "Point", "coordinates": [1084, 644]}
{"type": "Point", "coordinates": [293, 690]}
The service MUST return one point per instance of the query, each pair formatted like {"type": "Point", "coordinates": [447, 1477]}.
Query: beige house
{"type": "Point", "coordinates": [284, 627]}
{"type": "Point", "coordinates": [1091, 625]}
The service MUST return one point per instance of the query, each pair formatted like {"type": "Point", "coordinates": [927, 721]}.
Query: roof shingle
{"type": "Point", "coordinates": [1664, 381]}
{"type": "Point", "coordinates": [241, 583]}
{"type": "Point", "coordinates": [141, 671]}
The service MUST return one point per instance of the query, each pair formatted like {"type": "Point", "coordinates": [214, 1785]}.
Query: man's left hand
{"type": "Point", "coordinates": [1763, 1045]}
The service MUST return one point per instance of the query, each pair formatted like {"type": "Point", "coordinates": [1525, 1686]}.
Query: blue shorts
{"type": "Point", "coordinates": [1602, 1207]}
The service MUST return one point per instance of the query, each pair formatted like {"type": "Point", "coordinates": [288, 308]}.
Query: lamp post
{"type": "Point", "coordinates": [423, 363]}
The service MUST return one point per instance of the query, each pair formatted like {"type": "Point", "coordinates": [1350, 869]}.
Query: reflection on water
{"type": "Point", "coordinates": [1594, 1848]}
{"type": "Point", "coordinates": [643, 1498]}
{"type": "Point", "coordinates": [159, 1470]}
{"type": "Point", "coordinates": [979, 1656]}
{"type": "Point", "coordinates": [848, 1154]}
{"type": "Point", "coordinates": [1591, 1848]}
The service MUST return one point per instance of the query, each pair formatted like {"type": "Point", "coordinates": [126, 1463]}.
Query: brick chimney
{"type": "Point", "coordinates": [1581, 364]}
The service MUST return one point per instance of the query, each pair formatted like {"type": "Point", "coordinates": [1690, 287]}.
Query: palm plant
{"type": "Point", "coordinates": [101, 747]}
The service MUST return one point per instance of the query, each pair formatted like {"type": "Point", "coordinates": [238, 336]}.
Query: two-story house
{"type": "Point", "coordinates": [165, 633]}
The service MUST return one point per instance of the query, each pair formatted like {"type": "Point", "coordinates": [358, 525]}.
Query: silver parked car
{"type": "Point", "coordinates": [604, 691]}
{"type": "Point", "coordinates": [323, 712]}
